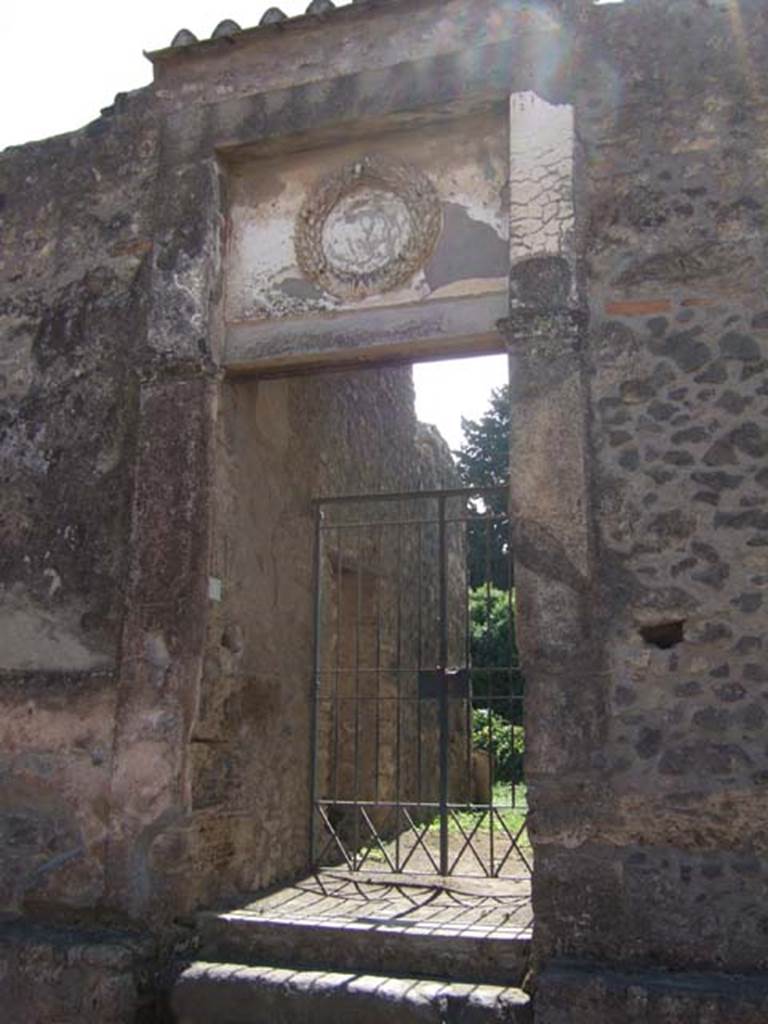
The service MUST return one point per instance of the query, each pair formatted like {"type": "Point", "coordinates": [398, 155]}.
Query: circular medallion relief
{"type": "Point", "coordinates": [365, 231]}
{"type": "Point", "coordinates": [368, 228]}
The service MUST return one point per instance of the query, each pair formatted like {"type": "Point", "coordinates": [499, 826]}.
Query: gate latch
{"type": "Point", "coordinates": [433, 682]}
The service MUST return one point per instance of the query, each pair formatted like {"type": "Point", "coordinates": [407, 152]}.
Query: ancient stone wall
{"type": "Point", "coordinates": [650, 828]}
{"type": "Point", "coordinates": [76, 226]}
{"type": "Point", "coordinates": [75, 215]}
{"type": "Point", "coordinates": [108, 812]}
{"type": "Point", "coordinates": [76, 974]}
{"type": "Point", "coordinates": [111, 285]}
{"type": "Point", "coordinates": [140, 520]}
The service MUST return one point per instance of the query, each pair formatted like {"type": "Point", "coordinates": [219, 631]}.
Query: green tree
{"type": "Point", "coordinates": [497, 682]}
{"type": "Point", "coordinates": [483, 461]}
{"type": "Point", "coordinates": [496, 676]}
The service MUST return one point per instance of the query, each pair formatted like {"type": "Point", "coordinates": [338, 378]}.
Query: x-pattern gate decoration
{"type": "Point", "coordinates": [417, 760]}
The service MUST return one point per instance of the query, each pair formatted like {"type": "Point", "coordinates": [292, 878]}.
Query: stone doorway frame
{"type": "Point", "coordinates": [170, 588]}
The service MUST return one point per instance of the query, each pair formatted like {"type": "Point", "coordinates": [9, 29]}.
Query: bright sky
{"type": "Point", "coordinates": [65, 59]}
{"type": "Point", "coordinates": [462, 387]}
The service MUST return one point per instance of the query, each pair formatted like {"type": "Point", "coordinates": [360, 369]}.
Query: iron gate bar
{"type": "Point", "coordinates": [488, 577]}
{"type": "Point", "coordinates": [428, 804]}
{"type": "Point", "coordinates": [468, 842]}
{"type": "Point", "coordinates": [419, 834]}
{"type": "Point", "coordinates": [420, 633]}
{"type": "Point", "coordinates": [398, 726]}
{"type": "Point", "coordinates": [426, 672]}
{"type": "Point", "coordinates": [451, 492]}
{"type": "Point", "coordinates": [378, 674]}
{"type": "Point", "coordinates": [443, 698]}
{"type": "Point", "coordinates": [359, 598]}
{"type": "Point", "coordinates": [316, 680]}
{"type": "Point", "coordinates": [514, 842]}
{"type": "Point", "coordinates": [362, 525]}
{"type": "Point", "coordinates": [339, 614]}
{"type": "Point", "coordinates": [419, 831]}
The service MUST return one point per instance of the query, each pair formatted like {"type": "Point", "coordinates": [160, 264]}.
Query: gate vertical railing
{"type": "Point", "coordinates": [401, 735]}
{"type": "Point", "coordinates": [442, 669]}
{"type": "Point", "coordinates": [315, 697]}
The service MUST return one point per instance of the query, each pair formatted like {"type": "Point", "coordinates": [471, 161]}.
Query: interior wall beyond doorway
{"type": "Point", "coordinates": [281, 443]}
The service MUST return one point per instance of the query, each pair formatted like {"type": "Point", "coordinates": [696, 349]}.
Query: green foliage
{"type": "Point", "coordinates": [496, 677]}
{"type": "Point", "coordinates": [492, 627]}
{"type": "Point", "coordinates": [504, 740]}
{"type": "Point", "coordinates": [497, 682]}
{"type": "Point", "coordinates": [483, 461]}
{"type": "Point", "coordinates": [513, 812]}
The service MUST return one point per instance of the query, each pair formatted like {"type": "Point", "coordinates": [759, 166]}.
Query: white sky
{"type": "Point", "coordinates": [462, 387]}
{"type": "Point", "coordinates": [63, 60]}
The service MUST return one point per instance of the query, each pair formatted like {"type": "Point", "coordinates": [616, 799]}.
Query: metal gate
{"type": "Point", "coordinates": [417, 760]}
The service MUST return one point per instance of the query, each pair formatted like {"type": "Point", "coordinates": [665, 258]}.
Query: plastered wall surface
{"type": "Point", "coordinates": [468, 167]}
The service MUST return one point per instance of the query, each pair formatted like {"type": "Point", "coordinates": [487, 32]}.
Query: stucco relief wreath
{"type": "Point", "coordinates": [368, 228]}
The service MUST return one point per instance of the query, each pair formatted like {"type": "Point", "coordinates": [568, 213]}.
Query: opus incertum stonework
{"type": "Point", "coordinates": [209, 301]}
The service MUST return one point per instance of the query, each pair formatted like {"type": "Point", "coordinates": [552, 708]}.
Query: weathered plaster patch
{"type": "Point", "coordinates": [54, 579]}
{"type": "Point", "coordinates": [36, 637]}
{"type": "Point", "coordinates": [468, 249]}
{"type": "Point", "coordinates": [472, 286]}
{"type": "Point", "coordinates": [157, 656]}
{"type": "Point", "coordinates": [16, 338]}
{"type": "Point", "coordinates": [301, 290]}
{"type": "Point", "coordinates": [541, 177]}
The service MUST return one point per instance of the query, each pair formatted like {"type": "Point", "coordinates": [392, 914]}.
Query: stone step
{"type": "Point", "coordinates": [493, 956]}
{"type": "Point", "coordinates": [214, 993]}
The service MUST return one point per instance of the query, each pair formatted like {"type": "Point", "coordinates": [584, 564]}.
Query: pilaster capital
{"type": "Point", "coordinates": [543, 333]}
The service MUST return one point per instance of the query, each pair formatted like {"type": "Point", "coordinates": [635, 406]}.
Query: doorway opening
{"type": "Point", "coordinates": [360, 748]}
{"type": "Point", "coordinates": [418, 692]}
{"type": "Point", "coordinates": [369, 723]}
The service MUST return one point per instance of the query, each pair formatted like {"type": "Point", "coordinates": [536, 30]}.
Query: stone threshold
{"type": "Point", "coordinates": [208, 992]}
